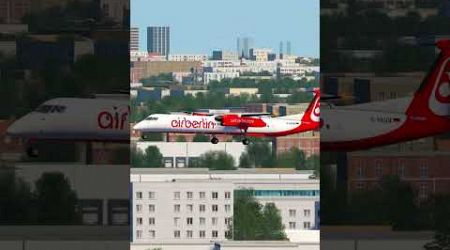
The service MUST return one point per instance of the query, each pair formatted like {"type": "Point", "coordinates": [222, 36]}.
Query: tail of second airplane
{"type": "Point", "coordinates": [432, 99]}
{"type": "Point", "coordinates": [312, 113]}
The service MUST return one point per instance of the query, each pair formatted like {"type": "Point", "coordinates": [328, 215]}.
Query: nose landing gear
{"type": "Point", "coordinates": [214, 140]}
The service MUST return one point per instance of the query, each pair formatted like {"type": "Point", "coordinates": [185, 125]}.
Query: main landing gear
{"type": "Point", "coordinates": [245, 141]}
{"type": "Point", "coordinates": [214, 140]}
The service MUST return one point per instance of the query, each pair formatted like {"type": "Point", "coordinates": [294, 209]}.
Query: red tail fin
{"type": "Point", "coordinates": [433, 96]}
{"type": "Point", "coordinates": [312, 113]}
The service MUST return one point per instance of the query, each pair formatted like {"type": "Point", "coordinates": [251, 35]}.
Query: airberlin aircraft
{"type": "Point", "coordinates": [363, 126]}
{"type": "Point", "coordinates": [245, 124]}
{"type": "Point", "coordinates": [102, 119]}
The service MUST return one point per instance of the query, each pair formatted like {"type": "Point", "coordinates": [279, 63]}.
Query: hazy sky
{"type": "Point", "coordinates": [199, 26]}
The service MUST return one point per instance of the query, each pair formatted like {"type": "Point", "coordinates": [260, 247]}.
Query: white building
{"type": "Point", "coordinates": [218, 76]}
{"type": "Point", "coordinates": [188, 57]}
{"type": "Point", "coordinates": [134, 39]}
{"type": "Point", "coordinates": [196, 205]}
{"type": "Point", "coordinates": [178, 154]}
{"type": "Point", "coordinates": [260, 54]}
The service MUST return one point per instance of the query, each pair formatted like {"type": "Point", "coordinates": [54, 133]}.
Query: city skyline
{"type": "Point", "coordinates": [196, 27]}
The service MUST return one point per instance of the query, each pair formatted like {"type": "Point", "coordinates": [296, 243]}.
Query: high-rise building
{"type": "Point", "coordinates": [281, 50]}
{"type": "Point", "coordinates": [158, 40]}
{"type": "Point", "coordinates": [288, 48]}
{"type": "Point", "coordinates": [244, 44]}
{"type": "Point", "coordinates": [134, 38]}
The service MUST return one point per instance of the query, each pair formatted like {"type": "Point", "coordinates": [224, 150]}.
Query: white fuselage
{"type": "Point", "coordinates": [75, 119]}
{"type": "Point", "coordinates": [185, 123]}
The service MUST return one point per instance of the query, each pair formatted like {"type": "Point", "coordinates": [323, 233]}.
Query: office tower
{"type": "Point", "coordinates": [158, 40]}
{"type": "Point", "coordinates": [244, 44]}
{"type": "Point", "coordinates": [134, 38]}
{"type": "Point", "coordinates": [288, 48]}
{"type": "Point", "coordinates": [281, 50]}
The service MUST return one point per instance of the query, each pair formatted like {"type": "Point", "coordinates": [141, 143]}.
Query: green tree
{"type": "Point", "coordinates": [55, 199]}
{"type": "Point", "coordinates": [153, 157]}
{"type": "Point", "coordinates": [441, 221]}
{"type": "Point", "coordinates": [15, 199]}
{"type": "Point", "coordinates": [200, 138]}
{"type": "Point", "coordinates": [252, 221]}
{"type": "Point", "coordinates": [137, 158]}
{"type": "Point", "coordinates": [152, 137]}
{"type": "Point", "coordinates": [273, 227]}
{"type": "Point", "coordinates": [214, 160]}
{"type": "Point", "coordinates": [294, 158]}
{"type": "Point", "coordinates": [181, 138]}
{"type": "Point", "coordinates": [257, 154]}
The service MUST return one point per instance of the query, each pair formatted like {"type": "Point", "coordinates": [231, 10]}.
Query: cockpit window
{"type": "Point", "coordinates": [50, 109]}
{"type": "Point", "coordinates": [151, 118]}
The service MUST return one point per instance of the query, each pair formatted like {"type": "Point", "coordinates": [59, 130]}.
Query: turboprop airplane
{"type": "Point", "coordinates": [362, 126]}
{"type": "Point", "coordinates": [244, 124]}
{"type": "Point", "coordinates": [102, 119]}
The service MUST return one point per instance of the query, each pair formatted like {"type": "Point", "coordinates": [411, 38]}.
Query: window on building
{"type": "Point", "coordinates": [189, 234]}
{"type": "Point", "coordinates": [176, 234]}
{"type": "Point", "coordinates": [138, 208]}
{"type": "Point", "coordinates": [176, 195]}
{"type": "Point", "coordinates": [423, 169]}
{"type": "Point", "coordinates": [189, 220]}
{"type": "Point", "coordinates": [292, 212]}
{"type": "Point", "coordinates": [177, 208]}
{"type": "Point", "coordinates": [227, 207]}
{"type": "Point", "coordinates": [181, 162]}
{"type": "Point", "coordinates": [139, 234]}
{"type": "Point", "coordinates": [152, 234]}
{"type": "Point", "coordinates": [215, 195]}
{"type": "Point", "coordinates": [214, 220]}
{"type": "Point", "coordinates": [151, 195]}
{"type": "Point", "coordinates": [151, 208]}
{"type": "Point", "coordinates": [423, 191]}
{"type": "Point", "coordinates": [138, 221]}
{"type": "Point", "coordinates": [168, 162]}
{"type": "Point", "coordinates": [227, 195]}
{"type": "Point", "coordinates": [360, 169]}
{"type": "Point", "coordinates": [228, 234]}
{"type": "Point", "coordinates": [215, 234]}
{"type": "Point", "coordinates": [202, 234]}
{"type": "Point", "coordinates": [401, 169]}
{"type": "Point", "coordinates": [202, 195]}
{"type": "Point", "coordinates": [228, 221]}
{"type": "Point", "coordinates": [306, 225]}
{"type": "Point", "coordinates": [215, 208]}
{"type": "Point", "coordinates": [176, 221]}
{"type": "Point", "coordinates": [306, 212]}
{"type": "Point", "coordinates": [291, 225]}
{"type": "Point", "coordinates": [138, 195]}
{"type": "Point", "coordinates": [202, 207]}
{"type": "Point", "coordinates": [360, 185]}
{"type": "Point", "coordinates": [190, 207]}
{"type": "Point", "coordinates": [378, 169]}
{"type": "Point", "coordinates": [151, 221]}
{"type": "Point", "coordinates": [189, 195]}
{"type": "Point", "coordinates": [202, 220]}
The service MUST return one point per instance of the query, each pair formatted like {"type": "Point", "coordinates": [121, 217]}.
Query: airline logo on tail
{"type": "Point", "coordinates": [440, 97]}
{"type": "Point", "coordinates": [313, 110]}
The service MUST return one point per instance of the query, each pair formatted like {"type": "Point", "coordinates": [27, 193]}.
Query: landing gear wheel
{"type": "Point", "coordinates": [32, 152]}
{"type": "Point", "coordinates": [214, 140]}
{"type": "Point", "coordinates": [245, 141]}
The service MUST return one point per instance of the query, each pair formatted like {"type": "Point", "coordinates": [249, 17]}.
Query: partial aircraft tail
{"type": "Point", "coordinates": [432, 99]}
{"type": "Point", "coordinates": [312, 113]}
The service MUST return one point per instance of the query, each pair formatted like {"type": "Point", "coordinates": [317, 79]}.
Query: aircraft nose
{"type": "Point", "coordinates": [16, 128]}
{"type": "Point", "coordinates": [138, 126]}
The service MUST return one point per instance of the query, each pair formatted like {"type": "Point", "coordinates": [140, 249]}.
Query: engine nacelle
{"type": "Point", "coordinates": [241, 122]}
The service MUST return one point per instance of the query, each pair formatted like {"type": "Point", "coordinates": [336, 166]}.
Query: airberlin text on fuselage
{"type": "Point", "coordinates": [185, 123]}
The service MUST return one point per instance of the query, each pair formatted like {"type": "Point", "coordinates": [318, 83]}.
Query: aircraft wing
{"type": "Point", "coordinates": [254, 114]}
